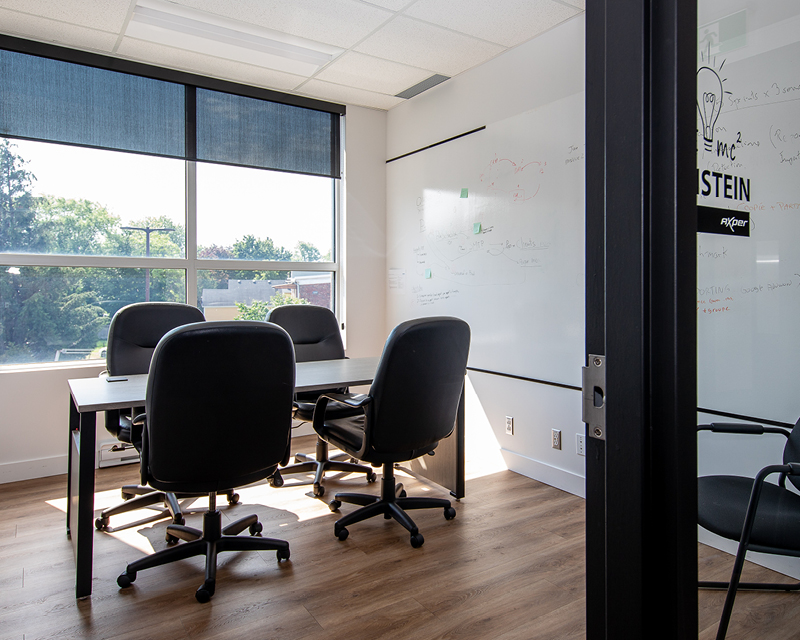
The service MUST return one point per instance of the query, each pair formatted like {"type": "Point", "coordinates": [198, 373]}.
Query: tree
{"type": "Point", "coordinates": [17, 210]}
{"type": "Point", "coordinates": [75, 227]}
{"type": "Point", "coordinates": [259, 308]}
{"type": "Point", "coordinates": [306, 252]}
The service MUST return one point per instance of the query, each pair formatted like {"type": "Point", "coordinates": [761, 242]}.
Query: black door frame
{"type": "Point", "coordinates": [641, 532]}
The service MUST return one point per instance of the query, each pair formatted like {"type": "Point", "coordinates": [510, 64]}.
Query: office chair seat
{"type": "Point", "coordinates": [722, 504]}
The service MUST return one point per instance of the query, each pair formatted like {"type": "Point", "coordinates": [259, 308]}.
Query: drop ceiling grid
{"type": "Point", "coordinates": [390, 45]}
{"type": "Point", "coordinates": [372, 74]}
{"type": "Point", "coordinates": [508, 23]}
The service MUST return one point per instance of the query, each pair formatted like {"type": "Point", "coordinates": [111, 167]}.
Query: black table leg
{"type": "Point", "coordinates": [80, 499]}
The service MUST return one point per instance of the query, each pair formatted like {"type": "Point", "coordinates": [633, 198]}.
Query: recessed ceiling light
{"type": "Point", "coordinates": [184, 28]}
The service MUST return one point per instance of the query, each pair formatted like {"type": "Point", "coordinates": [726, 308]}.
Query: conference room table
{"type": "Point", "coordinates": [90, 395]}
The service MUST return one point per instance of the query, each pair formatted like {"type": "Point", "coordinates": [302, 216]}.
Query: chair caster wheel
{"type": "Point", "coordinates": [170, 539]}
{"type": "Point", "coordinates": [204, 593]}
{"type": "Point", "coordinates": [126, 579]}
{"type": "Point", "coordinates": [126, 496]}
{"type": "Point", "coordinates": [334, 505]}
{"type": "Point", "coordinates": [256, 528]}
{"type": "Point", "coordinates": [179, 520]}
{"type": "Point", "coordinates": [101, 523]}
{"type": "Point", "coordinates": [417, 540]}
{"type": "Point", "coordinates": [319, 490]}
{"type": "Point", "coordinates": [233, 498]}
{"type": "Point", "coordinates": [276, 480]}
{"type": "Point", "coordinates": [283, 554]}
{"type": "Point", "coordinates": [372, 476]}
{"type": "Point", "coordinates": [449, 513]}
{"type": "Point", "coordinates": [341, 533]}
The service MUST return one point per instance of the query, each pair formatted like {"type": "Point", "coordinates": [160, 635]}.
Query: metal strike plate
{"type": "Point", "coordinates": [594, 397]}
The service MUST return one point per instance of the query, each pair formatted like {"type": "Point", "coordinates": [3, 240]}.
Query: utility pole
{"type": "Point", "coordinates": [147, 230]}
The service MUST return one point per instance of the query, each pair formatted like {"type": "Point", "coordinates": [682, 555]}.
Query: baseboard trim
{"type": "Point", "coordinates": [553, 476]}
{"type": "Point", "coordinates": [30, 469]}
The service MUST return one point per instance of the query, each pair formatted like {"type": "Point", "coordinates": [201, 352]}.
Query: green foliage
{"type": "Point", "coordinates": [256, 311]}
{"type": "Point", "coordinates": [281, 299]}
{"type": "Point", "coordinates": [306, 252]}
{"type": "Point", "coordinates": [259, 308]}
{"type": "Point", "coordinates": [18, 233]}
{"type": "Point", "coordinates": [76, 227]}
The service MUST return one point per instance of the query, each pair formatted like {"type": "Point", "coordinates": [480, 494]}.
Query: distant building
{"type": "Point", "coordinates": [220, 304]}
{"type": "Point", "coordinates": [314, 286]}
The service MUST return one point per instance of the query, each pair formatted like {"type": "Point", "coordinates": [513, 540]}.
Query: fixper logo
{"type": "Point", "coordinates": [723, 221]}
{"type": "Point", "coordinates": [732, 223]}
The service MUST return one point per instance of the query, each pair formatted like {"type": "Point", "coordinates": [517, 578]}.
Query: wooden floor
{"type": "Point", "coordinates": [509, 566]}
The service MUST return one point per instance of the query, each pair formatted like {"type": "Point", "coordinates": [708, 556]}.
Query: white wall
{"type": "Point", "coordinates": [516, 82]}
{"type": "Point", "coordinates": [34, 401]}
{"type": "Point", "coordinates": [364, 241]}
{"type": "Point", "coordinates": [34, 419]}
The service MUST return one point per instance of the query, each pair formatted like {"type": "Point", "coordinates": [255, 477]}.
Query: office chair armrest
{"type": "Point", "coordinates": [741, 427]}
{"type": "Point", "coordinates": [350, 399]}
{"type": "Point", "coordinates": [761, 477]}
{"type": "Point", "coordinates": [356, 400]}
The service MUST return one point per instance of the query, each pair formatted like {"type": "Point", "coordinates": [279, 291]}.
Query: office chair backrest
{"type": "Point", "coordinates": [219, 406]}
{"type": "Point", "coordinates": [314, 331]}
{"type": "Point", "coordinates": [791, 452]}
{"type": "Point", "coordinates": [136, 329]}
{"type": "Point", "coordinates": [418, 384]}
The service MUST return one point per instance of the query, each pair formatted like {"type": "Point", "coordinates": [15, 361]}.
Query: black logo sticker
{"type": "Point", "coordinates": [723, 221]}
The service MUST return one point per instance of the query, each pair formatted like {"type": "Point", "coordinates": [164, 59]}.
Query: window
{"type": "Point", "coordinates": [118, 187]}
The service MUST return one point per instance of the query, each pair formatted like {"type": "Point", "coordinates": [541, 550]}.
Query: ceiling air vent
{"type": "Point", "coordinates": [422, 86]}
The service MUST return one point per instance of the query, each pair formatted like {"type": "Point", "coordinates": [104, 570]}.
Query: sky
{"type": "Point", "coordinates": [231, 201]}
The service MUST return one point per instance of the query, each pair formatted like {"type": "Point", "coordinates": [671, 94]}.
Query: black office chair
{"type": "Point", "coordinates": [761, 516]}
{"type": "Point", "coordinates": [411, 406]}
{"type": "Point", "coordinates": [315, 333]}
{"type": "Point", "coordinates": [219, 415]}
{"type": "Point", "coordinates": [132, 337]}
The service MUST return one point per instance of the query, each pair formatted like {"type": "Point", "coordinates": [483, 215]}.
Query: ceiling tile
{"type": "Point", "coordinates": [44, 30]}
{"type": "Point", "coordinates": [342, 23]}
{"type": "Point", "coordinates": [580, 4]}
{"type": "Point", "coordinates": [373, 74]}
{"type": "Point", "coordinates": [105, 15]}
{"type": "Point", "coordinates": [394, 5]}
{"type": "Point", "coordinates": [516, 22]}
{"type": "Point", "coordinates": [423, 45]}
{"type": "Point", "coordinates": [348, 95]}
{"type": "Point", "coordinates": [152, 53]}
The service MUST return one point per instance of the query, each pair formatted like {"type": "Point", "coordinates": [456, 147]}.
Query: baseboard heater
{"type": "Point", "coordinates": [112, 454]}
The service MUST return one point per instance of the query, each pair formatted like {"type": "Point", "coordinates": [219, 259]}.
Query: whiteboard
{"type": "Point", "coordinates": [490, 228]}
{"type": "Point", "coordinates": [748, 289]}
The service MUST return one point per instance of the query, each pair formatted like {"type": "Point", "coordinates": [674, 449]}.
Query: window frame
{"type": "Point", "coordinates": [190, 263]}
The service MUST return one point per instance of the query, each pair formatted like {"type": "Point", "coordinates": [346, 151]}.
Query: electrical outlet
{"type": "Point", "coordinates": [581, 444]}
{"type": "Point", "coordinates": [509, 426]}
{"type": "Point", "coordinates": [557, 439]}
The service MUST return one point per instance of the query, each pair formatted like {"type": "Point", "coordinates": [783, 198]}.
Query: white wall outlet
{"type": "Point", "coordinates": [557, 439]}
{"type": "Point", "coordinates": [580, 444]}
{"type": "Point", "coordinates": [509, 426]}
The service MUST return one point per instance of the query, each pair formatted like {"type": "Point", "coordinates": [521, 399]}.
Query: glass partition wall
{"type": "Point", "coordinates": [120, 187]}
{"type": "Point", "coordinates": [748, 242]}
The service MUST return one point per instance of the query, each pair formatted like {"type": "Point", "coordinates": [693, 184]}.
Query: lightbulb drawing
{"type": "Point", "coordinates": [709, 102]}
